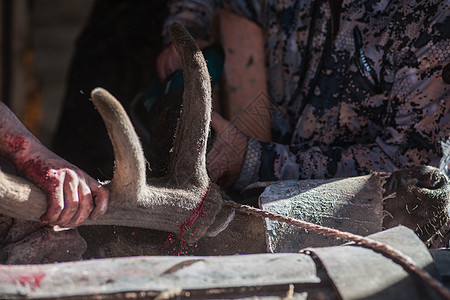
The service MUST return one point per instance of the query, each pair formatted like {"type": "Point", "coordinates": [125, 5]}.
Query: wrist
{"type": "Point", "coordinates": [30, 158]}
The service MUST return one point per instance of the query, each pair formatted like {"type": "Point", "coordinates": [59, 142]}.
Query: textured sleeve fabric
{"type": "Point", "coordinates": [444, 165]}
{"type": "Point", "coordinates": [417, 106]}
{"type": "Point", "coordinates": [347, 128]}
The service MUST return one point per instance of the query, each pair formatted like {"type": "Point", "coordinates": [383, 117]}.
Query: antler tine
{"type": "Point", "coordinates": [188, 160]}
{"type": "Point", "coordinates": [129, 175]}
{"type": "Point", "coordinates": [183, 202]}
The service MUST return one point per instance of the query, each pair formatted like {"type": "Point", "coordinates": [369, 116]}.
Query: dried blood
{"type": "Point", "coordinates": [39, 173]}
{"type": "Point", "coordinates": [195, 214]}
{"type": "Point", "coordinates": [13, 144]}
{"type": "Point", "coordinates": [33, 280]}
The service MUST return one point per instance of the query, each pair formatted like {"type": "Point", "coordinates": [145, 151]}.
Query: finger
{"type": "Point", "coordinates": [86, 205]}
{"type": "Point", "coordinates": [160, 68]}
{"type": "Point", "coordinates": [100, 197]}
{"type": "Point", "coordinates": [71, 200]}
{"type": "Point", "coordinates": [167, 62]}
{"type": "Point", "coordinates": [160, 62]}
{"type": "Point", "coordinates": [175, 60]}
{"type": "Point", "coordinates": [174, 64]}
{"type": "Point", "coordinates": [55, 203]}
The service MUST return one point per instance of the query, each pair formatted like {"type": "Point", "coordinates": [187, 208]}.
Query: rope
{"type": "Point", "coordinates": [381, 248]}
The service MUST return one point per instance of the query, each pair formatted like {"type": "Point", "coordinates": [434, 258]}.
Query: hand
{"type": "Point", "coordinates": [224, 161]}
{"type": "Point", "coordinates": [168, 61]}
{"type": "Point", "coordinates": [72, 195]}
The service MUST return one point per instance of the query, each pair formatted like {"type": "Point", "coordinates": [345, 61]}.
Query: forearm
{"type": "Point", "coordinates": [16, 141]}
{"type": "Point", "coordinates": [30, 157]}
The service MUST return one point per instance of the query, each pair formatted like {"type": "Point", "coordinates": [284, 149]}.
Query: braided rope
{"type": "Point", "coordinates": [381, 248]}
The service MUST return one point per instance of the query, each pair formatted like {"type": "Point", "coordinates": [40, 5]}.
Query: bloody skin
{"type": "Point", "coordinates": [33, 168]}
{"type": "Point", "coordinates": [72, 195]}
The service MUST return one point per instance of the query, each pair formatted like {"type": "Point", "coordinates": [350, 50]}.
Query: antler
{"type": "Point", "coordinates": [172, 203]}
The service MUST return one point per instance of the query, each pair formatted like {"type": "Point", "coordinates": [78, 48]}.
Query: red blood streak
{"type": "Point", "coordinates": [16, 143]}
{"type": "Point", "coordinates": [12, 145]}
{"type": "Point", "coordinates": [33, 280]}
{"type": "Point", "coordinates": [35, 170]}
{"type": "Point", "coordinates": [31, 166]}
{"type": "Point", "coordinates": [191, 220]}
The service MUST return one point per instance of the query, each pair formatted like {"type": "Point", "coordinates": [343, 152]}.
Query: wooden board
{"type": "Point", "coordinates": [369, 275]}
{"type": "Point", "coordinates": [156, 274]}
{"type": "Point", "coordinates": [272, 276]}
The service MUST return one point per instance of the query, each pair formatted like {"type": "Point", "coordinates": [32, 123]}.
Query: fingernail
{"type": "Point", "coordinates": [59, 228]}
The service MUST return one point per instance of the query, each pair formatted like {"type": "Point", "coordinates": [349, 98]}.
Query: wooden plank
{"type": "Point", "coordinates": [361, 273]}
{"type": "Point", "coordinates": [356, 273]}
{"type": "Point", "coordinates": [156, 274]}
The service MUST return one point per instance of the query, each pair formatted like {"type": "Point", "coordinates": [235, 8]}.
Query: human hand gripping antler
{"type": "Point", "coordinates": [72, 195]}
{"type": "Point", "coordinates": [184, 201]}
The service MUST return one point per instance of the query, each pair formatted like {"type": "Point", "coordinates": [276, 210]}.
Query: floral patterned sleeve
{"type": "Point", "coordinates": [347, 129]}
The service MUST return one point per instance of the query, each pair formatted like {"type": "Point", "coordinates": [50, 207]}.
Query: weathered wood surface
{"type": "Point", "coordinates": [277, 275]}
{"type": "Point", "coordinates": [372, 276]}
{"type": "Point", "coordinates": [351, 204]}
{"type": "Point", "coordinates": [157, 274]}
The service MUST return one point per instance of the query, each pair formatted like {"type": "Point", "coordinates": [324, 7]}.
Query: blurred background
{"type": "Point", "coordinates": [37, 42]}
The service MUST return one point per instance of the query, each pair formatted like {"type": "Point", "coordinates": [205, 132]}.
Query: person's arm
{"type": "Point", "coordinates": [419, 121]}
{"type": "Point", "coordinates": [419, 125]}
{"type": "Point", "coordinates": [72, 195]}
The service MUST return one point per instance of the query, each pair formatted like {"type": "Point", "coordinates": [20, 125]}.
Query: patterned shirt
{"type": "Point", "coordinates": [356, 87]}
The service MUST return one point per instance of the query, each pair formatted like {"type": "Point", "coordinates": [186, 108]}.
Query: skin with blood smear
{"type": "Point", "coordinates": [72, 195]}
